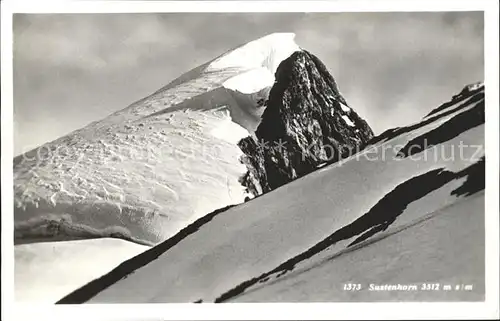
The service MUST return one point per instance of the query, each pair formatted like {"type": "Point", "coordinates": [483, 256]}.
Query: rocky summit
{"type": "Point", "coordinates": [306, 123]}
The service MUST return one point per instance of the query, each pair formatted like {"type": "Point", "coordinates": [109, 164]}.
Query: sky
{"type": "Point", "coordinates": [392, 68]}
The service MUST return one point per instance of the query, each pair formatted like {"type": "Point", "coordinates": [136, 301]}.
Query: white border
{"type": "Point", "coordinates": [53, 6]}
{"type": "Point", "coordinates": [488, 309]}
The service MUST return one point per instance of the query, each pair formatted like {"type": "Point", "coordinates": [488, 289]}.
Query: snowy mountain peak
{"type": "Point", "coordinates": [266, 117]}
{"type": "Point", "coordinates": [147, 170]}
{"type": "Point", "coordinates": [260, 60]}
{"type": "Point", "coordinates": [266, 52]}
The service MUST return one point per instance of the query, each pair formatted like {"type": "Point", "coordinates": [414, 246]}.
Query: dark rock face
{"type": "Point", "coordinates": [306, 123]}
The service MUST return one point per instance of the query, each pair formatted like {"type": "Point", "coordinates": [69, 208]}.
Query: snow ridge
{"type": "Point", "coordinates": [160, 163]}
{"type": "Point", "coordinates": [267, 52]}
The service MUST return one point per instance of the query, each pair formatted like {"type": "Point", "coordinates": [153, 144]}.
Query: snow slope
{"type": "Point", "coordinates": [44, 272]}
{"type": "Point", "coordinates": [391, 213]}
{"type": "Point", "coordinates": [146, 171]}
{"type": "Point", "coordinates": [443, 260]}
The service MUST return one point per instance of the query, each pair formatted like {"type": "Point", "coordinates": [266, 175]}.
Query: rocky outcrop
{"type": "Point", "coordinates": [307, 122]}
{"type": "Point", "coordinates": [470, 95]}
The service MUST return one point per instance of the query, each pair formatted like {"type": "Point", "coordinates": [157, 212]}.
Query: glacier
{"type": "Point", "coordinates": [146, 171]}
